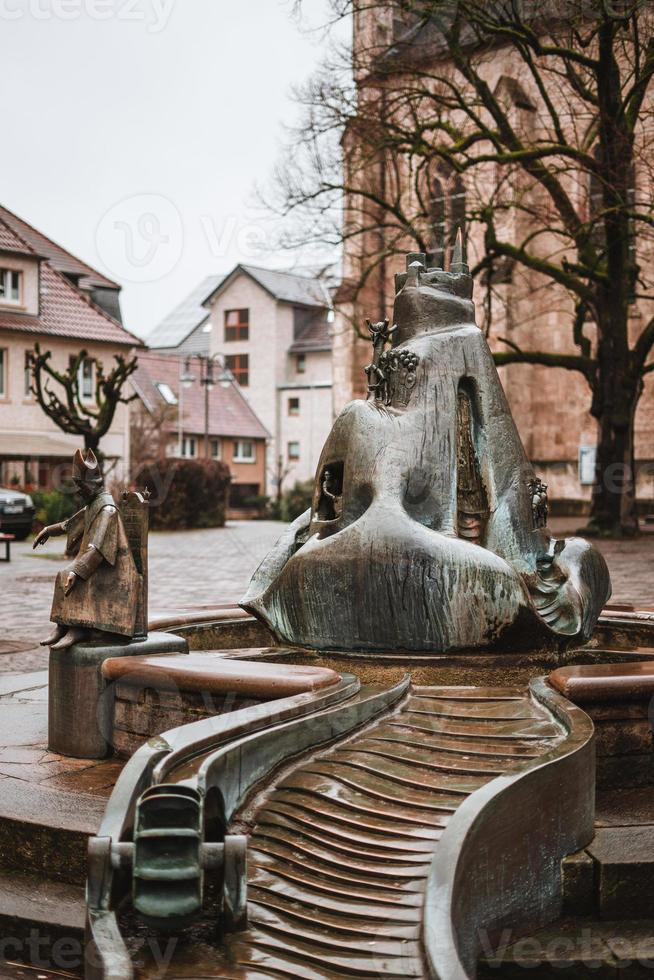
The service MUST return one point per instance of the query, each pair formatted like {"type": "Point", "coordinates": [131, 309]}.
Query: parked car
{"type": "Point", "coordinates": [16, 513]}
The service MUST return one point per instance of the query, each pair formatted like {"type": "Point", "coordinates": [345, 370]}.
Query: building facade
{"type": "Point", "coordinates": [49, 297]}
{"type": "Point", "coordinates": [176, 415]}
{"type": "Point", "coordinates": [551, 405]}
{"type": "Point", "coordinates": [272, 330]}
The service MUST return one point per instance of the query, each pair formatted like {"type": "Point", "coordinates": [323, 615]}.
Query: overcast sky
{"type": "Point", "coordinates": [135, 130]}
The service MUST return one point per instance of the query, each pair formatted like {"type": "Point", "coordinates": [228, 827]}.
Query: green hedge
{"type": "Point", "coordinates": [53, 506]}
{"type": "Point", "coordinates": [186, 493]}
{"type": "Point", "coordinates": [296, 500]}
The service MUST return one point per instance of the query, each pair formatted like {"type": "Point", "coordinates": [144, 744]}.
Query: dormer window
{"type": "Point", "coordinates": [11, 286]}
{"type": "Point", "coordinates": [166, 392]}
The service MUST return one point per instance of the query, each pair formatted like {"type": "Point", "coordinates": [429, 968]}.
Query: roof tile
{"type": "Point", "coordinates": [66, 312]}
{"type": "Point", "coordinates": [229, 412]}
{"type": "Point", "coordinates": [59, 257]}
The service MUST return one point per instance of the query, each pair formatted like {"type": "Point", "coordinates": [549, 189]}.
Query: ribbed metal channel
{"type": "Point", "coordinates": [341, 851]}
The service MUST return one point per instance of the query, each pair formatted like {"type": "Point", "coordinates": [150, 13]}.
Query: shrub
{"type": "Point", "coordinates": [186, 493]}
{"type": "Point", "coordinates": [53, 506]}
{"type": "Point", "coordinates": [296, 500]}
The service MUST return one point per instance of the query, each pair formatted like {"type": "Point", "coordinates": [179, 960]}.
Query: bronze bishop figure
{"type": "Point", "coordinates": [100, 589]}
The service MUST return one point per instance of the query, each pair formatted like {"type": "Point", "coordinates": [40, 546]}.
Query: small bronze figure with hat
{"type": "Point", "coordinates": [101, 587]}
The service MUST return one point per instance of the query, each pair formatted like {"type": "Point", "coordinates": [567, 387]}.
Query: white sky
{"type": "Point", "coordinates": [134, 132]}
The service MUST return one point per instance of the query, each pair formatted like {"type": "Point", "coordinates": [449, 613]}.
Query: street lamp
{"type": "Point", "coordinates": [208, 379]}
{"type": "Point", "coordinates": [186, 379]}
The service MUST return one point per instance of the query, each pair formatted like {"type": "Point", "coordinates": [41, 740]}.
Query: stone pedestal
{"type": "Point", "coordinates": [80, 718]}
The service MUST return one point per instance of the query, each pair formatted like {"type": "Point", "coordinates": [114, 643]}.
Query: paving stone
{"type": "Point", "coordinates": [624, 858]}
{"type": "Point", "coordinates": [578, 876]}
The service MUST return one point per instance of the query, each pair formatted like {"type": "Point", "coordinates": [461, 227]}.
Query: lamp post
{"type": "Point", "coordinates": [186, 379]}
{"type": "Point", "coordinates": [208, 379]}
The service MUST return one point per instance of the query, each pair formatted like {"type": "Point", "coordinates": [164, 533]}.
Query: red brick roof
{"type": "Point", "coordinates": [64, 311]}
{"type": "Point", "coordinates": [10, 242]}
{"type": "Point", "coordinates": [229, 412]}
{"type": "Point", "coordinates": [59, 257]}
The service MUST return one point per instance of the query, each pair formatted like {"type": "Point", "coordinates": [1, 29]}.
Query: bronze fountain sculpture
{"type": "Point", "coordinates": [419, 788]}
{"type": "Point", "coordinates": [428, 525]}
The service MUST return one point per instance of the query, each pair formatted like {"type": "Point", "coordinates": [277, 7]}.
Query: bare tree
{"type": "Point", "coordinates": [150, 434]}
{"type": "Point", "coordinates": [548, 166]}
{"type": "Point", "coordinates": [89, 418]}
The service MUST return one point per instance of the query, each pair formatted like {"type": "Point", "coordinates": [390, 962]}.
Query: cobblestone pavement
{"type": "Point", "coordinates": [187, 568]}
{"type": "Point", "coordinates": [191, 568]}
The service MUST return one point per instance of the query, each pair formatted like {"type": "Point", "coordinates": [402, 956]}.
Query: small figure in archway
{"type": "Point", "coordinates": [99, 590]}
{"type": "Point", "coordinates": [331, 501]}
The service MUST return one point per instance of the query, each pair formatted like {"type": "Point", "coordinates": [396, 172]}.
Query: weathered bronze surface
{"type": "Point", "coordinates": [217, 762]}
{"type": "Point", "coordinates": [428, 524]}
{"type": "Point", "coordinates": [341, 851]}
{"type": "Point", "coordinates": [498, 865]}
{"type": "Point", "coordinates": [605, 682]}
{"type": "Point", "coordinates": [217, 674]}
{"type": "Point", "coordinates": [157, 693]}
{"type": "Point", "coordinates": [104, 588]}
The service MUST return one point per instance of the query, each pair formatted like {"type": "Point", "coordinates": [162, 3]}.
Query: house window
{"type": "Point", "coordinates": [294, 406]}
{"type": "Point", "coordinates": [301, 363]}
{"type": "Point", "coordinates": [28, 375]}
{"type": "Point", "coordinates": [189, 447]}
{"type": "Point", "coordinates": [4, 357]}
{"type": "Point", "coordinates": [166, 392]}
{"type": "Point", "coordinates": [294, 451]}
{"type": "Point", "coordinates": [86, 378]}
{"type": "Point", "coordinates": [244, 451]}
{"type": "Point", "coordinates": [239, 365]}
{"type": "Point", "coordinates": [11, 286]}
{"type": "Point", "coordinates": [237, 324]}
{"type": "Point", "coordinates": [214, 447]}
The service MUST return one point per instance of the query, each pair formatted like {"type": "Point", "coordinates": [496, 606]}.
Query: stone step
{"type": "Point", "coordinates": [624, 872]}
{"type": "Point", "coordinates": [574, 949]}
{"type": "Point", "coordinates": [42, 922]}
{"type": "Point", "coordinates": [613, 878]}
{"type": "Point", "coordinates": [46, 833]}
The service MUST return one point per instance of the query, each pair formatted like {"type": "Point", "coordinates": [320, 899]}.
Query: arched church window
{"type": "Point", "coordinates": [446, 210]}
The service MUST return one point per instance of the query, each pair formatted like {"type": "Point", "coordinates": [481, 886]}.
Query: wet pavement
{"type": "Point", "coordinates": [187, 568]}
{"type": "Point", "coordinates": [23, 743]}
{"type": "Point", "coordinates": [191, 568]}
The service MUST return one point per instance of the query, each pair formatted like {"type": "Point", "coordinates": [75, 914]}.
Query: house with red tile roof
{"type": "Point", "coordinates": [49, 296]}
{"type": "Point", "coordinates": [185, 419]}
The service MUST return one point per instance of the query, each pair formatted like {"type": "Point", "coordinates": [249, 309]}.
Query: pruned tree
{"type": "Point", "coordinates": [89, 418]}
{"type": "Point", "coordinates": [548, 165]}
